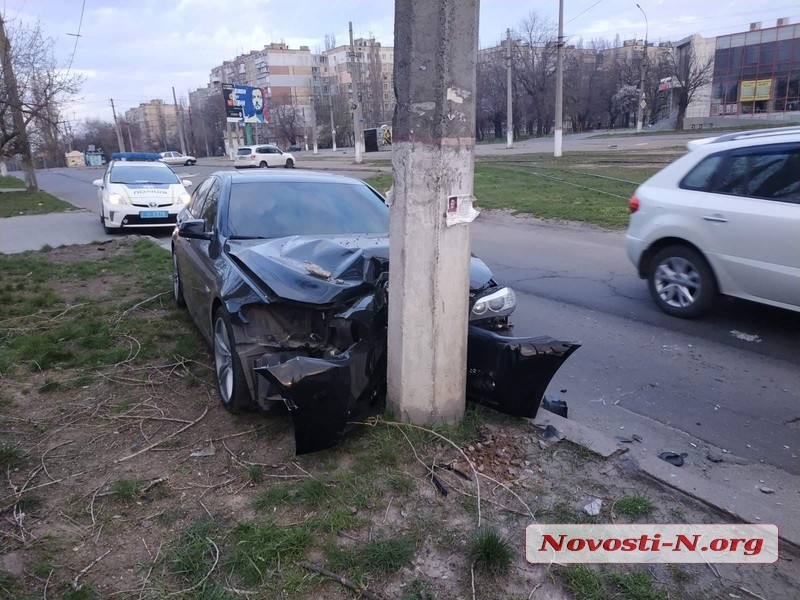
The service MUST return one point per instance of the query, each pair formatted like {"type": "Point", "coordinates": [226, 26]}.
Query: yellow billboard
{"type": "Point", "coordinates": [755, 89]}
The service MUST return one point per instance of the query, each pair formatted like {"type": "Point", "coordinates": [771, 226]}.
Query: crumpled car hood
{"type": "Point", "coordinates": [325, 270]}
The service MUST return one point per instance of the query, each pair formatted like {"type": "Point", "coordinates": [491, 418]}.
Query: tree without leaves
{"type": "Point", "coordinates": [32, 93]}
{"type": "Point", "coordinates": [534, 64]}
{"type": "Point", "coordinates": [691, 73]}
{"type": "Point", "coordinates": [286, 119]}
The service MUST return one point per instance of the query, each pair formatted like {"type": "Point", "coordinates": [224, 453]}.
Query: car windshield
{"type": "Point", "coordinates": [142, 174]}
{"type": "Point", "coordinates": [243, 151]}
{"type": "Point", "coordinates": [279, 209]}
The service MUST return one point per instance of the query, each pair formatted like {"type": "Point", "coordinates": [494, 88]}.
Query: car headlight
{"type": "Point", "coordinates": [497, 304]}
{"type": "Point", "coordinates": [184, 198]}
{"type": "Point", "coordinates": [116, 199]}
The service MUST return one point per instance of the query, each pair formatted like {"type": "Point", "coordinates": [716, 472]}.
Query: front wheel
{"type": "Point", "coordinates": [681, 282]}
{"type": "Point", "coordinates": [289, 163]}
{"type": "Point", "coordinates": [107, 229]}
{"type": "Point", "coordinates": [231, 382]}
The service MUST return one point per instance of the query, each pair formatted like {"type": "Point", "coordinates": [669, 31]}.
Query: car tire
{"type": "Point", "coordinates": [263, 165]}
{"type": "Point", "coordinates": [681, 282]}
{"type": "Point", "coordinates": [177, 284]}
{"type": "Point", "coordinates": [289, 163]}
{"type": "Point", "coordinates": [106, 229]}
{"type": "Point", "coordinates": [188, 163]}
{"type": "Point", "coordinates": [231, 382]}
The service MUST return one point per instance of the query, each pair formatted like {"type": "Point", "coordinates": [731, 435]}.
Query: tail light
{"type": "Point", "coordinates": [252, 156]}
{"type": "Point", "coordinates": [633, 204]}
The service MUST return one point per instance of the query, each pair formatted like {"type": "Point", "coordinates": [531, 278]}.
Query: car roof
{"type": "Point", "coordinates": [745, 135]}
{"type": "Point", "coordinates": [140, 163]}
{"type": "Point", "coordinates": [285, 176]}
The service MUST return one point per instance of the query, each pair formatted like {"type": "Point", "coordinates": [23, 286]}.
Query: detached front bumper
{"type": "Point", "coordinates": [326, 396]}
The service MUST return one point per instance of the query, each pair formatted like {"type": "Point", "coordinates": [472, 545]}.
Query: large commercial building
{"type": "Point", "coordinates": [757, 73]}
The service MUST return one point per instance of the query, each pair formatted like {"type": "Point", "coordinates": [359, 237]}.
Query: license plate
{"type": "Point", "coordinates": [153, 214]}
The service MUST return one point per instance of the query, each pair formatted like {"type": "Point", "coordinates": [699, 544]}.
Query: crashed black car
{"type": "Point", "coordinates": [286, 275]}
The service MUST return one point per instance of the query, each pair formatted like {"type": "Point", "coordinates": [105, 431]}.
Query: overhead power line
{"type": "Point", "coordinates": [77, 36]}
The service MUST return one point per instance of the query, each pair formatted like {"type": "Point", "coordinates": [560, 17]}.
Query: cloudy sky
{"type": "Point", "coordinates": [136, 50]}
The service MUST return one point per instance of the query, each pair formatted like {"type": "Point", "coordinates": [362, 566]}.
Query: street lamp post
{"type": "Point", "coordinates": [640, 116]}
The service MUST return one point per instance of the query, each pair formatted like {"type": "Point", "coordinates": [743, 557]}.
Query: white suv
{"type": "Point", "coordinates": [264, 156]}
{"type": "Point", "coordinates": [724, 218]}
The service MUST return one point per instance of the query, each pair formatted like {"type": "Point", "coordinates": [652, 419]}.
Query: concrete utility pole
{"type": "Point", "coordinates": [509, 106]}
{"type": "Point", "coordinates": [358, 115]}
{"type": "Point", "coordinates": [18, 119]}
{"type": "Point", "coordinates": [330, 109]}
{"type": "Point", "coordinates": [314, 143]}
{"type": "Point", "coordinates": [433, 145]}
{"type": "Point", "coordinates": [179, 117]}
{"type": "Point", "coordinates": [130, 137]}
{"type": "Point", "coordinates": [559, 82]}
{"type": "Point", "coordinates": [640, 115]}
{"type": "Point", "coordinates": [120, 141]}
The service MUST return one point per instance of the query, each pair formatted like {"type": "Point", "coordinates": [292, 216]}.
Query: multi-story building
{"type": "Point", "coordinates": [757, 74]}
{"type": "Point", "coordinates": [372, 65]}
{"type": "Point", "coordinates": [157, 124]}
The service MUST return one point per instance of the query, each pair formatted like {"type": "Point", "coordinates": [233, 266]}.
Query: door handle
{"type": "Point", "coordinates": [715, 218]}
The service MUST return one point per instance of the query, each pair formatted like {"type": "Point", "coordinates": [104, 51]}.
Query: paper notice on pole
{"type": "Point", "coordinates": [460, 210]}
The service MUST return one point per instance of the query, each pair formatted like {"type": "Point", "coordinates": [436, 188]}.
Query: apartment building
{"type": "Point", "coordinates": [373, 67]}
{"type": "Point", "coordinates": [157, 124]}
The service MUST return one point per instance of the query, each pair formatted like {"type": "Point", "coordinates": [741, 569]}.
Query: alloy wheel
{"type": "Point", "coordinates": [223, 360]}
{"type": "Point", "coordinates": [677, 282]}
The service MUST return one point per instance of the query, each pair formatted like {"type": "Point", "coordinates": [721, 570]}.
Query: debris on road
{"type": "Point", "coordinates": [593, 508]}
{"type": "Point", "coordinates": [715, 456]}
{"type": "Point", "coordinates": [673, 458]}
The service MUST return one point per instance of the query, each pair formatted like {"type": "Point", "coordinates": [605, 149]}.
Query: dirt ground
{"type": "Point", "coordinates": [125, 478]}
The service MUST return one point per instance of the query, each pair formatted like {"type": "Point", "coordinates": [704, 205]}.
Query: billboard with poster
{"type": "Point", "coordinates": [245, 104]}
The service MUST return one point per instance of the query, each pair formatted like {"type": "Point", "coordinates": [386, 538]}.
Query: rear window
{"type": "Point", "coordinates": [127, 174]}
{"type": "Point", "coordinates": [280, 209]}
{"type": "Point", "coordinates": [243, 151]}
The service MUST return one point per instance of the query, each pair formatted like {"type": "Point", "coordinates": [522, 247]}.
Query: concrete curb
{"type": "Point", "coordinates": [731, 497]}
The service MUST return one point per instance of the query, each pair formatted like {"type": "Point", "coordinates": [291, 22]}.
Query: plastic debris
{"type": "Point", "coordinates": [207, 451]}
{"type": "Point", "coordinates": [593, 508]}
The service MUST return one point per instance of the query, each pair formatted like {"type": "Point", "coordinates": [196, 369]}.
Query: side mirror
{"type": "Point", "coordinates": [186, 183]}
{"type": "Point", "coordinates": [194, 229]}
{"type": "Point", "coordinates": [98, 183]}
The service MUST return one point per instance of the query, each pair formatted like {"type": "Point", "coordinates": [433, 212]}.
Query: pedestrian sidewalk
{"type": "Point", "coordinates": [33, 232]}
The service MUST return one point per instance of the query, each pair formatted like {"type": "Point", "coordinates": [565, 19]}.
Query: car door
{"type": "Point", "coordinates": [189, 256]}
{"type": "Point", "coordinates": [752, 220]}
{"type": "Point", "coordinates": [274, 157]}
{"type": "Point", "coordinates": [208, 257]}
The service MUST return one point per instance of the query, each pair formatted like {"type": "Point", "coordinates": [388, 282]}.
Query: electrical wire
{"type": "Point", "coordinates": [77, 37]}
{"type": "Point", "coordinates": [583, 13]}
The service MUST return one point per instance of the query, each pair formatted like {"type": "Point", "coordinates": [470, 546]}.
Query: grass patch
{"type": "Point", "coordinates": [636, 585]}
{"type": "Point", "coordinates": [125, 490]}
{"type": "Point", "coordinates": [15, 204]}
{"type": "Point", "coordinates": [10, 457]}
{"type": "Point", "coordinates": [633, 506]}
{"type": "Point", "coordinates": [583, 582]}
{"type": "Point", "coordinates": [562, 512]}
{"type": "Point", "coordinates": [8, 181]}
{"type": "Point", "coordinates": [490, 552]}
{"type": "Point", "coordinates": [258, 547]}
{"type": "Point", "coordinates": [378, 557]}
{"type": "Point", "coordinates": [192, 553]}
{"type": "Point", "coordinates": [594, 190]}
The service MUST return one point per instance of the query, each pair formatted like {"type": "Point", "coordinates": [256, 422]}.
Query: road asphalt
{"type": "Point", "coordinates": [733, 486]}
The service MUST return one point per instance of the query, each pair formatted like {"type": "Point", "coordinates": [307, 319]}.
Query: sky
{"type": "Point", "coordinates": [136, 50]}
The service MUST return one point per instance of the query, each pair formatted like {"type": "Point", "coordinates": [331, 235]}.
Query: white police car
{"type": "Point", "coordinates": [139, 191]}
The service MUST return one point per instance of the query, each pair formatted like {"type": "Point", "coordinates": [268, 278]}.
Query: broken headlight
{"type": "Point", "coordinates": [497, 304]}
